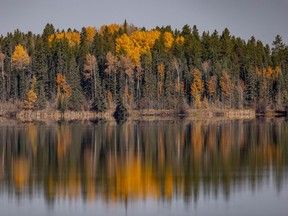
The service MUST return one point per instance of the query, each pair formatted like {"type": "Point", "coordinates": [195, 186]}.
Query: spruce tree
{"type": "Point", "coordinates": [73, 79]}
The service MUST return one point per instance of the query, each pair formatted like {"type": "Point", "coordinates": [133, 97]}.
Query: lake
{"type": "Point", "coordinates": [173, 167]}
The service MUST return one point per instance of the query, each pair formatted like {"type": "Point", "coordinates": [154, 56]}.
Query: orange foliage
{"type": "Point", "coordinates": [20, 58]}
{"type": "Point", "coordinates": [169, 183]}
{"type": "Point", "coordinates": [31, 96]}
{"type": "Point", "coordinates": [180, 40]}
{"type": "Point", "coordinates": [90, 33]}
{"type": "Point", "coordinates": [21, 169]}
{"type": "Point", "coordinates": [197, 87]}
{"type": "Point", "coordinates": [124, 44]}
{"type": "Point", "coordinates": [168, 40]}
{"type": "Point", "coordinates": [211, 85]}
{"type": "Point", "coordinates": [269, 72]}
{"type": "Point", "coordinates": [31, 99]}
{"type": "Point", "coordinates": [112, 28]}
{"type": "Point", "coordinates": [135, 180]}
{"type": "Point", "coordinates": [62, 84]}
{"type": "Point", "coordinates": [64, 91]}
{"type": "Point", "coordinates": [72, 37]}
{"type": "Point", "coordinates": [137, 44]}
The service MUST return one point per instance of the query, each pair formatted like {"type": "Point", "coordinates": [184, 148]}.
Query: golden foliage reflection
{"type": "Point", "coordinates": [142, 160]}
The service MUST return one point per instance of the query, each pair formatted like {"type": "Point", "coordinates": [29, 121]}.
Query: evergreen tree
{"type": "Point", "coordinates": [73, 79]}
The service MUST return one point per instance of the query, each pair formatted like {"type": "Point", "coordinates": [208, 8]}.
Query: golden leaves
{"type": "Point", "coordinates": [137, 44]}
{"type": "Point", "coordinates": [180, 40]}
{"type": "Point", "coordinates": [112, 28]}
{"type": "Point", "coordinates": [197, 85]}
{"type": "Point", "coordinates": [20, 58]}
{"type": "Point", "coordinates": [168, 40]}
{"type": "Point", "coordinates": [90, 33]}
{"type": "Point", "coordinates": [269, 72]}
{"type": "Point", "coordinates": [31, 95]}
{"type": "Point", "coordinates": [125, 45]}
{"type": "Point", "coordinates": [72, 37]}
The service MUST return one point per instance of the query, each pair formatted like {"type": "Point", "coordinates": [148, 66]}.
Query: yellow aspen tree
{"type": "Point", "coordinates": [124, 45]}
{"type": "Point", "coordinates": [139, 43]}
{"type": "Point", "coordinates": [20, 58]}
{"type": "Point", "coordinates": [72, 37]}
{"type": "Point", "coordinates": [168, 40]}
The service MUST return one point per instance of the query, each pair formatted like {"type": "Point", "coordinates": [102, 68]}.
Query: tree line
{"type": "Point", "coordinates": [136, 68]}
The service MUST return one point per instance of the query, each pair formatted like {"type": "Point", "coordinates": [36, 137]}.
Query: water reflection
{"type": "Point", "coordinates": [141, 160]}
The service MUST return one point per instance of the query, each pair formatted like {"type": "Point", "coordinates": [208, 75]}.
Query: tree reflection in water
{"type": "Point", "coordinates": [158, 160]}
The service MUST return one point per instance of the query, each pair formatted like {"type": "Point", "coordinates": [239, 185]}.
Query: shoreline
{"type": "Point", "coordinates": [144, 114]}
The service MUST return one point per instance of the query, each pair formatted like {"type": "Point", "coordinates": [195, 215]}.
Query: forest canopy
{"type": "Point", "coordinates": [126, 66]}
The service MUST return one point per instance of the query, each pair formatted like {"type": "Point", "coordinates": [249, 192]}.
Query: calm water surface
{"type": "Point", "coordinates": [144, 168]}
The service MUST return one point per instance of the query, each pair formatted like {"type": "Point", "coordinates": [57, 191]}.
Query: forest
{"type": "Point", "coordinates": [134, 68]}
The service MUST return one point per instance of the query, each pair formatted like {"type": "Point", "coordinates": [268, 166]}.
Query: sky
{"type": "Point", "coordinates": [263, 19]}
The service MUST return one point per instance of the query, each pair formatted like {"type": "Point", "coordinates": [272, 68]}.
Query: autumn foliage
{"type": "Point", "coordinates": [20, 58]}
{"type": "Point", "coordinates": [31, 96]}
{"type": "Point", "coordinates": [73, 38]}
{"type": "Point", "coordinates": [64, 91]}
{"type": "Point", "coordinates": [90, 33]}
{"type": "Point", "coordinates": [137, 44]}
{"type": "Point", "coordinates": [168, 40]}
{"type": "Point", "coordinates": [197, 87]}
{"type": "Point", "coordinates": [159, 68]}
